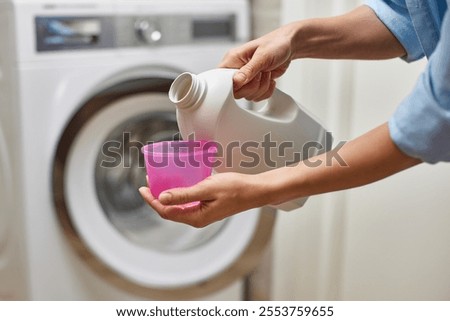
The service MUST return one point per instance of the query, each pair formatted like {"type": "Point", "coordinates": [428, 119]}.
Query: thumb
{"type": "Point", "coordinates": [246, 73]}
{"type": "Point", "coordinates": [178, 196]}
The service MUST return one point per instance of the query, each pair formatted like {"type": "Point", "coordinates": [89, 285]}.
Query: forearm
{"type": "Point", "coordinates": [368, 158]}
{"type": "Point", "coordinates": [358, 34]}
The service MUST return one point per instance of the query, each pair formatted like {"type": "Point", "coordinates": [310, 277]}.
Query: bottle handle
{"type": "Point", "coordinates": [279, 106]}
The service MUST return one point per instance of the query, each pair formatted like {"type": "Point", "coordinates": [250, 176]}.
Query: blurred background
{"type": "Point", "coordinates": [386, 241]}
{"type": "Point", "coordinates": [75, 75]}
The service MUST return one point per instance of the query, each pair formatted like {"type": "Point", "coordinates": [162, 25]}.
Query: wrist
{"type": "Point", "coordinates": [278, 186]}
{"type": "Point", "coordinates": [312, 38]}
{"type": "Point", "coordinates": [295, 34]}
{"type": "Point", "coordinates": [297, 39]}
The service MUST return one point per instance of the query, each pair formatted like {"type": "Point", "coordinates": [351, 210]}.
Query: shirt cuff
{"type": "Point", "coordinates": [396, 18]}
{"type": "Point", "coordinates": [421, 124]}
{"type": "Point", "coordinates": [420, 127]}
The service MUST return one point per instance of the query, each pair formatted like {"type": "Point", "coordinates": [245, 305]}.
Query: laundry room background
{"type": "Point", "coordinates": [266, 16]}
{"type": "Point", "coordinates": [385, 241]}
{"type": "Point", "coordinates": [77, 79]}
{"type": "Point", "coordinates": [75, 75]}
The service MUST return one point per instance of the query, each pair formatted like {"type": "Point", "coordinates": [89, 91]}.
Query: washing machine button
{"type": "Point", "coordinates": [148, 31]}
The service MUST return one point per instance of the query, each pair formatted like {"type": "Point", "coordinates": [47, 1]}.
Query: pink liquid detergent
{"type": "Point", "coordinates": [172, 164]}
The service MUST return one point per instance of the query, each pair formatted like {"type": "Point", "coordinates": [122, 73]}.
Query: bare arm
{"type": "Point", "coordinates": [366, 159]}
{"type": "Point", "coordinates": [358, 34]}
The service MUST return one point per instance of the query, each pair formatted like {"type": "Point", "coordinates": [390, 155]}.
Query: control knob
{"type": "Point", "coordinates": [148, 31]}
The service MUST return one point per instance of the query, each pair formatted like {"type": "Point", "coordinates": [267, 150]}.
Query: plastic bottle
{"type": "Point", "coordinates": [249, 141]}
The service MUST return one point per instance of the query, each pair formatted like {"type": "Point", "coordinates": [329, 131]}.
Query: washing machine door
{"type": "Point", "coordinates": [98, 169]}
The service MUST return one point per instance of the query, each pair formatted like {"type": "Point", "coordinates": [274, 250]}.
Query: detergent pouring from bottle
{"type": "Point", "coordinates": [249, 141]}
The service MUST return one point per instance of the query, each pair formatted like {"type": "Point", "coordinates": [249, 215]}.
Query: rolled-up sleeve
{"type": "Point", "coordinates": [394, 15]}
{"type": "Point", "coordinates": [420, 126]}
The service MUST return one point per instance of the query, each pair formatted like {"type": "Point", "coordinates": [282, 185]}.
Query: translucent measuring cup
{"type": "Point", "coordinates": [171, 164]}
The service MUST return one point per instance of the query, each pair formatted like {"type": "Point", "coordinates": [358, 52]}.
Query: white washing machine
{"type": "Point", "coordinates": [83, 84]}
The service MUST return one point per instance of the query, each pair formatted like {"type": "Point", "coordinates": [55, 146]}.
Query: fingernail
{"type": "Point", "coordinates": [165, 198]}
{"type": "Point", "coordinates": [240, 77]}
{"type": "Point", "coordinates": [142, 190]}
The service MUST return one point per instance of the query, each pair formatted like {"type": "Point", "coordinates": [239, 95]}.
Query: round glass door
{"type": "Point", "coordinates": [98, 168]}
{"type": "Point", "coordinates": [120, 171]}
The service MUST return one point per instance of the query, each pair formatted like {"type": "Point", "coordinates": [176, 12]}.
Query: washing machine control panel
{"type": "Point", "coordinates": [55, 33]}
{"type": "Point", "coordinates": [71, 33]}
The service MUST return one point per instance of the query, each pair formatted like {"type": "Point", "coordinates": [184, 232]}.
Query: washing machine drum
{"type": "Point", "coordinates": [98, 169]}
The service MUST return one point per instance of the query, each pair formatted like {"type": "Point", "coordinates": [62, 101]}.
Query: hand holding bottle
{"type": "Point", "coordinates": [260, 63]}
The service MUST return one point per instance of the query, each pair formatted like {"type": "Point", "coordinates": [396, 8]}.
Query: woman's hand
{"type": "Point", "coordinates": [358, 34]}
{"type": "Point", "coordinates": [220, 196]}
{"type": "Point", "coordinates": [260, 62]}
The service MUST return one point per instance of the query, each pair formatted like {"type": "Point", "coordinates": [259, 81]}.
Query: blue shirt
{"type": "Point", "coordinates": [420, 126]}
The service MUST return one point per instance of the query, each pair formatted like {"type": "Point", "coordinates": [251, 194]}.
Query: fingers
{"type": "Point", "coordinates": [175, 196]}
{"type": "Point", "coordinates": [268, 93]}
{"type": "Point", "coordinates": [255, 80]}
{"type": "Point", "coordinates": [258, 65]}
{"type": "Point", "coordinates": [178, 196]}
{"type": "Point", "coordinates": [147, 195]}
{"type": "Point", "coordinates": [239, 56]}
{"type": "Point", "coordinates": [150, 199]}
{"type": "Point", "coordinates": [211, 200]}
{"type": "Point", "coordinates": [191, 215]}
{"type": "Point", "coordinates": [239, 81]}
{"type": "Point", "coordinates": [260, 88]}
{"type": "Point", "coordinates": [249, 60]}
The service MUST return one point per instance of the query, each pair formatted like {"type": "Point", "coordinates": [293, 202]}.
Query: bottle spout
{"type": "Point", "coordinates": [187, 90]}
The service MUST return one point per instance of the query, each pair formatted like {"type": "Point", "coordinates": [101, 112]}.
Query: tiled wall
{"type": "Point", "coordinates": [265, 16]}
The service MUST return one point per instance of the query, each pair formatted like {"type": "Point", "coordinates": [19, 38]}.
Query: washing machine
{"type": "Point", "coordinates": [83, 85]}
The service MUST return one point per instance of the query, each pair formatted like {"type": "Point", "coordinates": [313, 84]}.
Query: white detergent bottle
{"type": "Point", "coordinates": [249, 141]}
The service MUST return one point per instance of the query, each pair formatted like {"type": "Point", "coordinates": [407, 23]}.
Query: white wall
{"type": "Point", "coordinates": [265, 16]}
{"type": "Point", "coordinates": [389, 240]}
{"type": "Point", "coordinates": [397, 238]}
